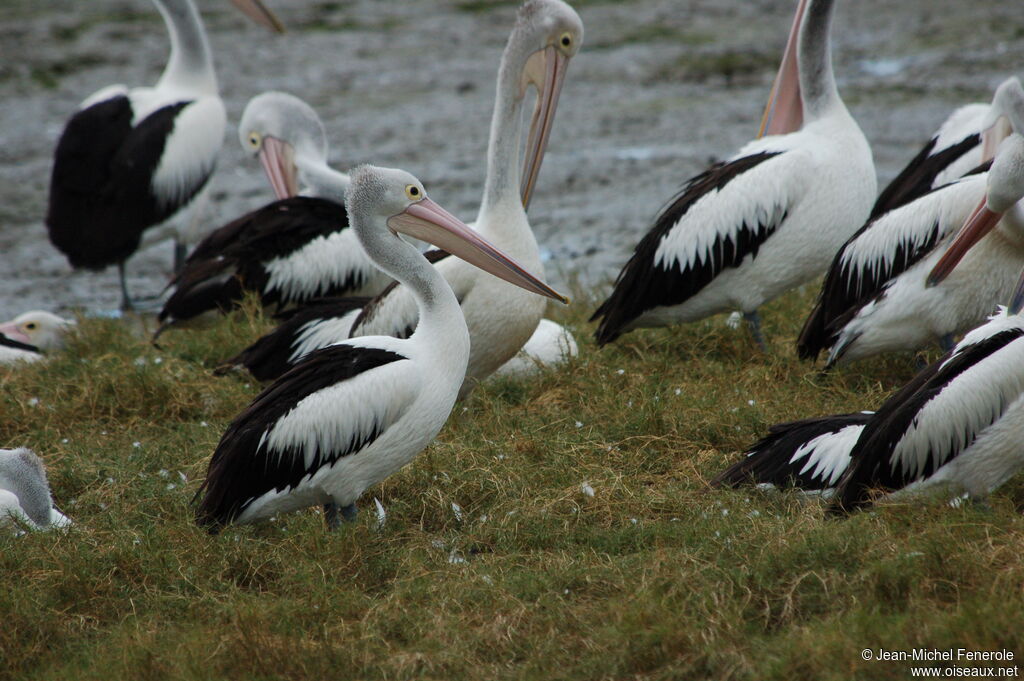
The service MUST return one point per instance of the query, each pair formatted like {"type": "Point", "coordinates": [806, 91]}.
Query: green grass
{"type": "Point", "coordinates": [653, 577]}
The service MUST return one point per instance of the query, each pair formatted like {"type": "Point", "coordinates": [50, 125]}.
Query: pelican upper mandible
{"type": "Point", "coordinates": [350, 414]}
{"type": "Point", "coordinates": [770, 218]}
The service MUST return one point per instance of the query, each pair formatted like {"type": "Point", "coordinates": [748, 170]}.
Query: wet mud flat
{"type": "Point", "coordinates": [659, 90]}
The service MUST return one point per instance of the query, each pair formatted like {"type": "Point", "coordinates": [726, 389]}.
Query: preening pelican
{"type": "Point", "coordinates": [293, 250]}
{"type": "Point", "coordinates": [770, 218]}
{"type": "Point", "coordinates": [546, 35]}
{"type": "Point", "coordinates": [873, 298]}
{"type": "Point", "coordinates": [907, 311]}
{"type": "Point", "coordinates": [350, 414]}
{"type": "Point", "coordinates": [132, 159]}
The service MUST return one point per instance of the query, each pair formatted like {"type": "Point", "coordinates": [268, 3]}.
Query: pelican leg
{"type": "Point", "coordinates": [335, 516]}
{"type": "Point", "coordinates": [126, 300]}
{"type": "Point", "coordinates": [180, 251]}
{"type": "Point", "coordinates": [754, 320]}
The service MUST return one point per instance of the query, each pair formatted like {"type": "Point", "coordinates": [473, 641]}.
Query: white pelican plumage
{"type": "Point", "coordinates": [768, 219]}
{"type": "Point", "coordinates": [546, 35]}
{"type": "Point", "coordinates": [350, 414]}
{"type": "Point", "coordinates": [30, 335]}
{"type": "Point", "coordinates": [25, 499]}
{"type": "Point", "coordinates": [132, 159]}
{"type": "Point", "coordinates": [291, 251]}
{"type": "Point", "coordinates": [897, 307]}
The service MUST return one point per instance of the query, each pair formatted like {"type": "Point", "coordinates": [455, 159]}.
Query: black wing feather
{"type": "Point", "coordinates": [768, 459]}
{"type": "Point", "coordinates": [243, 467]}
{"type": "Point", "coordinates": [917, 178]}
{"type": "Point", "coordinates": [642, 286]}
{"type": "Point", "coordinates": [101, 196]}
{"type": "Point", "coordinates": [268, 357]}
{"type": "Point", "coordinates": [870, 464]}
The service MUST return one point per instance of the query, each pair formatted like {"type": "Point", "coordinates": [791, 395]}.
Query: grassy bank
{"type": "Point", "coordinates": [586, 544]}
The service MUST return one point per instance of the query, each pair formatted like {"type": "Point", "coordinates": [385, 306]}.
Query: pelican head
{"type": "Point", "coordinates": [43, 330]}
{"type": "Point", "coordinates": [1005, 188]}
{"type": "Point", "coordinates": [391, 197]}
{"type": "Point", "coordinates": [547, 34]}
{"type": "Point", "coordinates": [285, 134]}
{"type": "Point", "coordinates": [1005, 115]}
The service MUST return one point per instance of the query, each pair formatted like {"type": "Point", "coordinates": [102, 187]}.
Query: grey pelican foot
{"type": "Point", "coordinates": [335, 516]}
{"type": "Point", "coordinates": [754, 320]}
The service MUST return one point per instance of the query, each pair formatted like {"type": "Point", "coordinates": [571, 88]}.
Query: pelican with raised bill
{"type": "Point", "coordinates": [291, 251]}
{"type": "Point", "coordinates": [30, 335]}
{"type": "Point", "coordinates": [351, 414]}
{"type": "Point", "coordinates": [874, 297]}
{"type": "Point", "coordinates": [131, 160]}
{"type": "Point", "coordinates": [546, 36]}
{"type": "Point", "coordinates": [920, 305]}
{"type": "Point", "coordinates": [770, 218]}
{"type": "Point", "coordinates": [964, 142]}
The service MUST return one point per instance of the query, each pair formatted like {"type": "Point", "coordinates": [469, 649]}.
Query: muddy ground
{"type": "Point", "coordinates": [659, 89]}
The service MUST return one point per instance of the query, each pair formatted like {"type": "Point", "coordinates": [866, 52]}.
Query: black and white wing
{"type": "Point", "coordinates": [938, 414]}
{"type": "Point", "coordinates": [720, 218]}
{"type": "Point", "coordinates": [810, 454]}
{"type": "Point", "coordinates": [881, 250]}
{"type": "Point", "coordinates": [333, 404]}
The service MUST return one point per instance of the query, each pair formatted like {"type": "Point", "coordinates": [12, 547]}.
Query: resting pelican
{"type": "Point", "coordinates": [547, 34]}
{"type": "Point", "coordinates": [350, 414]}
{"type": "Point", "coordinates": [747, 230]}
{"type": "Point", "coordinates": [132, 159]}
{"type": "Point", "coordinates": [25, 493]}
{"type": "Point", "coordinates": [293, 250]}
{"type": "Point", "coordinates": [31, 334]}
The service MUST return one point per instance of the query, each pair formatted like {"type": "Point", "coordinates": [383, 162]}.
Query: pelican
{"type": "Point", "coordinates": [770, 218]}
{"type": "Point", "coordinates": [293, 250]}
{"type": "Point", "coordinates": [902, 309]}
{"type": "Point", "coordinates": [550, 345]}
{"type": "Point", "coordinates": [29, 335]}
{"type": "Point", "coordinates": [810, 454]}
{"type": "Point", "coordinates": [957, 426]}
{"type": "Point", "coordinates": [546, 35]}
{"type": "Point", "coordinates": [350, 414]}
{"type": "Point", "coordinates": [130, 160]}
{"type": "Point", "coordinates": [25, 499]}
{"type": "Point", "coordinates": [887, 248]}
{"type": "Point", "coordinates": [966, 141]}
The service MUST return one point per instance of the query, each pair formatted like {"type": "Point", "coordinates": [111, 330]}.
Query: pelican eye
{"type": "Point", "coordinates": [566, 40]}
{"type": "Point", "coordinates": [31, 326]}
{"type": "Point", "coordinates": [254, 140]}
{"type": "Point", "coordinates": [413, 192]}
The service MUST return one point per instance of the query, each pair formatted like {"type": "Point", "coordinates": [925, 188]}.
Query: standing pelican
{"type": "Point", "coordinates": [770, 218]}
{"type": "Point", "coordinates": [132, 159]}
{"type": "Point", "coordinates": [966, 140]}
{"type": "Point", "coordinates": [546, 35]}
{"type": "Point", "coordinates": [865, 271]}
{"type": "Point", "coordinates": [351, 414]}
{"type": "Point", "coordinates": [293, 250]}
{"type": "Point", "coordinates": [911, 310]}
